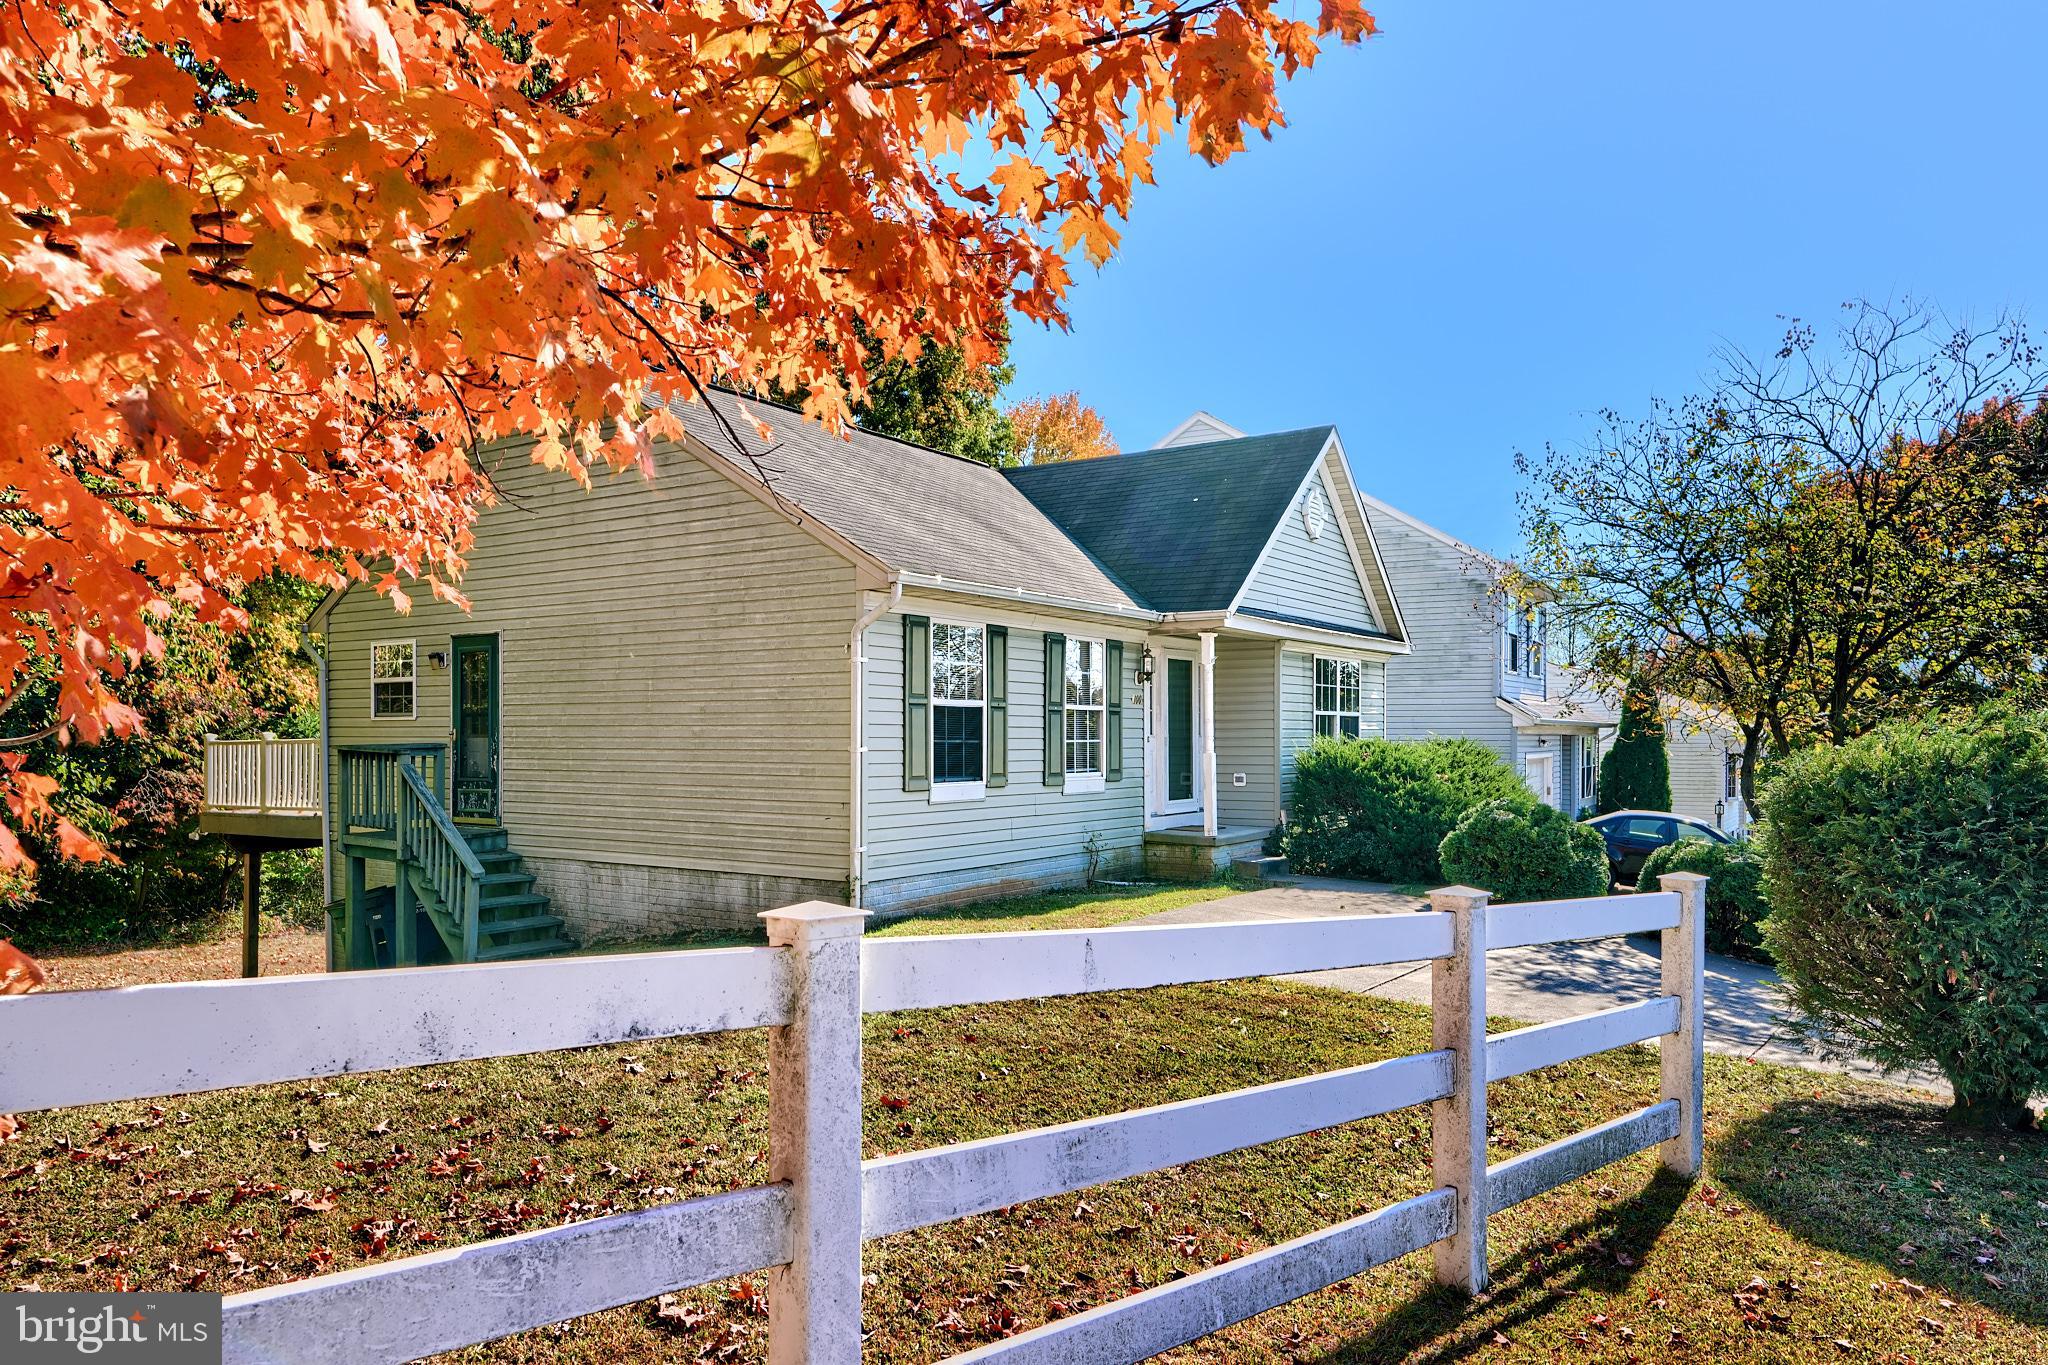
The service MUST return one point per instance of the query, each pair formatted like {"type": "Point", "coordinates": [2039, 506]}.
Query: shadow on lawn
{"type": "Point", "coordinates": [1599, 1254]}
{"type": "Point", "coordinates": [1954, 1209]}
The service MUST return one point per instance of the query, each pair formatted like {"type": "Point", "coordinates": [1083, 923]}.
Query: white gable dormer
{"type": "Point", "coordinates": [1197, 430]}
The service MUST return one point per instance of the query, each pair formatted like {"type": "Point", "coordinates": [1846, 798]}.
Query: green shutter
{"type": "Point", "coordinates": [917, 703]}
{"type": "Point", "coordinates": [1055, 709]}
{"type": "Point", "coordinates": [998, 692]}
{"type": "Point", "coordinates": [1113, 711]}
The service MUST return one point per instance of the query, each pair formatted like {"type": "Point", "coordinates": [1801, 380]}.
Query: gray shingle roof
{"type": "Point", "coordinates": [913, 509]}
{"type": "Point", "coordinates": [1182, 527]}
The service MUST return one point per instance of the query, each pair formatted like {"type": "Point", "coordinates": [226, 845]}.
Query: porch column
{"type": "Point", "coordinates": [1209, 732]}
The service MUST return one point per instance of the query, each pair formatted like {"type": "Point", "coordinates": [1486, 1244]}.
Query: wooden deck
{"type": "Point", "coordinates": [262, 793]}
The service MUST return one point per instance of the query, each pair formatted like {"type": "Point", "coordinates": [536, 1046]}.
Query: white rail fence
{"type": "Point", "coordinates": [267, 776]}
{"type": "Point", "coordinates": [810, 988]}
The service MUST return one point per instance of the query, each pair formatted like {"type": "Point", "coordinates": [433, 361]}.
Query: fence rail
{"type": "Point", "coordinates": [806, 1226]}
{"type": "Point", "coordinates": [267, 776]}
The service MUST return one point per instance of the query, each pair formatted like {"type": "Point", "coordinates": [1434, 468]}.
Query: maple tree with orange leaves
{"type": "Point", "coordinates": [271, 271]}
{"type": "Point", "coordinates": [1059, 427]}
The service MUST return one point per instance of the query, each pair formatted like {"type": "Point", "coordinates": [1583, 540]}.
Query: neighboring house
{"type": "Point", "coordinates": [833, 668]}
{"type": "Point", "coordinates": [1480, 668]}
{"type": "Point", "coordinates": [1702, 745]}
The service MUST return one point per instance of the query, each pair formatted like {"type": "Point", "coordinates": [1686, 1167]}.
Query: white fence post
{"type": "Point", "coordinates": [1457, 1123]}
{"type": "Point", "coordinates": [1682, 1054]}
{"type": "Point", "coordinates": [814, 1118]}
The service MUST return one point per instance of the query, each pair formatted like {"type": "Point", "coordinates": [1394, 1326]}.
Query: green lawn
{"type": "Point", "coordinates": [1838, 1220]}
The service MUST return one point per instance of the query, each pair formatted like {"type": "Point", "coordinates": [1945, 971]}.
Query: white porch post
{"type": "Point", "coordinates": [1209, 732]}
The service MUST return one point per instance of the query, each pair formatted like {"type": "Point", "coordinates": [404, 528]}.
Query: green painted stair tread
{"type": "Point", "coordinates": [505, 927]}
{"type": "Point", "coordinates": [516, 901]}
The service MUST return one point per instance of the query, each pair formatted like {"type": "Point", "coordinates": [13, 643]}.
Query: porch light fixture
{"type": "Point", "coordinates": [438, 658]}
{"type": "Point", "coordinates": [1145, 665]}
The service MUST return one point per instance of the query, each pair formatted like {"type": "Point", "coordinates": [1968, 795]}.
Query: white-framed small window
{"type": "Point", "coordinates": [959, 711]}
{"type": "Point", "coordinates": [393, 680]}
{"type": "Point", "coordinates": [1339, 707]}
{"type": "Point", "coordinates": [1534, 647]}
{"type": "Point", "coordinates": [1731, 777]}
{"type": "Point", "coordinates": [1589, 771]}
{"type": "Point", "coordinates": [1086, 695]}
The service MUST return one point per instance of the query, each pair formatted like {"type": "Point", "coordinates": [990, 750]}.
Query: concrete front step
{"type": "Point", "coordinates": [1189, 855]}
{"type": "Point", "coordinates": [1261, 868]}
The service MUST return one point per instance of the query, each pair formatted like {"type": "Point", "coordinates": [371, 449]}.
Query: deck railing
{"type": "Point", "coordinates": [267, 776]}
{"type": "Point", "coordinates": [367, 782]}
{"type": "Point", "coordinates": [810, 988]}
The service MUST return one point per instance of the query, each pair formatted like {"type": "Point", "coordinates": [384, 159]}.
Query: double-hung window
{"type": "Point", "coordinates": [1086, 693]}
{"type": "Point", "coordinates": [392, 680]}
{"type": "Point", "coordinates": [959, 711]}
{"type": "Point", "coordinates": [1533, 649]}
{"type": "Point", "coordinates": [1589, 771]}
{"type": "Point", "coordinates": [1731, 777]}
{"type": "Point", "coordinates": [1338, 706]}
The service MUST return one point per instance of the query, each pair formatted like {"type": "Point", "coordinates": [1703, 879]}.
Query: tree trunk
{"type": "Point", "coordinates": [1988, 1109]}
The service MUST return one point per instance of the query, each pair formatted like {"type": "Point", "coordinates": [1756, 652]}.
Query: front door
{"type": "Point", "coordinates": [476, 727]}
{"type": "Point", "coordinates": [1176, 734]}
{"type": "Point", "coordinates": [1541, 772]}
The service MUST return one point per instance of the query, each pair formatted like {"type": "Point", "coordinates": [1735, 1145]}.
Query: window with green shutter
{"type": "Point", "coordinates": [917, 703]}
{"type": "Point", "coordinates": [998, 691]}
{"type": "Point", "coordinates": [1055, 709]}
{"type": "Point", "coordinates": [1113, 714]}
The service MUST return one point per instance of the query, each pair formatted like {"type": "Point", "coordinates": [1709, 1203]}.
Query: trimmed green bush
{"type": "Point", "coordinates": [1735, 891]}
{"type": "Point", "coordinates": [1907, 873]}
{"type": "Point", "coordinates": [1524, 851]}
{"type": "Point", "coordinates": [1378, 808]}
{"type": "Point", "coordinates": [1635, 773]}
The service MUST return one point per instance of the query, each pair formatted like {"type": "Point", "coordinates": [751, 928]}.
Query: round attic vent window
{"type": "Point", "coordinates": [1315, 513]}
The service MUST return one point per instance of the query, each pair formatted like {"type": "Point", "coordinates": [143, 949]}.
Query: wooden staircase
{"type": "Point", "coordinates": [515, 918]}
{"type": "Point", "coordinates": [459, 893]}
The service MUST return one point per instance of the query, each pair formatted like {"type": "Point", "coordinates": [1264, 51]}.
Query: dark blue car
{"type": "Point", "coordinates": [1633, 835]}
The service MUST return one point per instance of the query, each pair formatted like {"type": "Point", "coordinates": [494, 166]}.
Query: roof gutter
{"type": "Point", "coordinates": [940, 583]}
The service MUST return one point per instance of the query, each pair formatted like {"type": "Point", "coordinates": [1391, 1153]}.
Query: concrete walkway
{"type": "Point", "coordinates": [1551, 981]}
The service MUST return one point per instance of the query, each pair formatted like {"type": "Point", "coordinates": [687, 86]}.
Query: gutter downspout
{"type": "Point", "coordinates": [326, 793]}
{"type": "Point", "coordinates": [857, 831]}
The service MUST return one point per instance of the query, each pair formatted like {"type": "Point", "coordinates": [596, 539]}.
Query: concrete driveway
{"type": "Point", "coordinates": [1552, 981]}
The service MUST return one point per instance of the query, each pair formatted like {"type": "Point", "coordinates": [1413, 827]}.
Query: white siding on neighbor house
{"type": "Point", "coordinates": [673, 674]}
{"type": "Point", "coordinates": [1298, 705]}
{"type": "Point", "coordinates": [1563, 751]}
{"type": "Point", "coordinates": [1699, 756]}
{"type": "Point", "coordinates": [1020, 836]}
{"type": "Point", "coordinates": [1450, 685]}
{"type": "Point", "coordinates": [1247, 731]}
{"type": "Point", "coordinates": [1308, 578]}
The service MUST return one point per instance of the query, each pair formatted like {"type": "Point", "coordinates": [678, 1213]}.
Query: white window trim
{"type": "Point", "coordinates": [413, 711]}
{"type": "Point", "coordinates": [945, 793]}
{"type": "Point", "coordinates": [1315, 701]}
{"type": "Point", "coordinates": [1075, 781]}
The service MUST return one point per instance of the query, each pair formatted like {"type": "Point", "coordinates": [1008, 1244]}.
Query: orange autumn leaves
{"type": "Point", "coordinates": [270, 271]}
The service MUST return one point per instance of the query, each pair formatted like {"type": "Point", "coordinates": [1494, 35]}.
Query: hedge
{"type": "Point", "coordinates": [1521, 851]}
{"type": "Point", "coordinates": [1907, 873]}
{"type": "Point", "coordinates": [1378, 809]}
{"type": "Point", "coordinates": [1735, 891]}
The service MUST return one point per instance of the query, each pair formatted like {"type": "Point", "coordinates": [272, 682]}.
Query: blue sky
{"type": "Point", "coordinates": [1495, 218]}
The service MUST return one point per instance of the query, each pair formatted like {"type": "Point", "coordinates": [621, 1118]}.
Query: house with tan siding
{"type": "Point", "coordinates": [799, 665]}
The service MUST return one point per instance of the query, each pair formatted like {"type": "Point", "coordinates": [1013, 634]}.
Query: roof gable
{"type": "Point", "coordinates": [1181, 527]}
